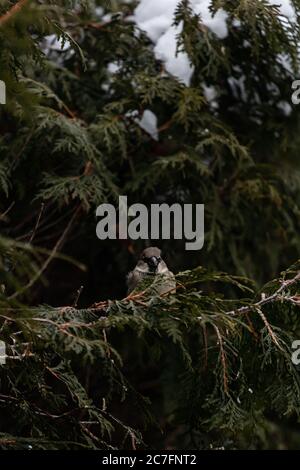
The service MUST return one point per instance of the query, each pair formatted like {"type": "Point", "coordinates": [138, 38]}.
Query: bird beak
{"type": "Point", "coordinates": [153, 262]}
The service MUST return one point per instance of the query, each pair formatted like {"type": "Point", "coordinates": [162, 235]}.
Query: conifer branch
{"type": "Point", "coordinates": [13, 11]}
{"type": "Point", "coordinates": [267, 300]}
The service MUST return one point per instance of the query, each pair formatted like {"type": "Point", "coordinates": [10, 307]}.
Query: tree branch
{"type": "Point", "coordinates": [267, 300]}
{"type": "Point", "coordinates": [13, 11]}
{"type": "Point", "coordinates": [52, 255]}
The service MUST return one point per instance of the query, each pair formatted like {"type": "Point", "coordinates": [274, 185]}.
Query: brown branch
{"type": "Point", "coordinates": [133, 441]}
{"type": "Point", "coordinates": [266, 300]}
{"type": "Point", "coordinates": [269, 328]}
{"type": "Point", "coordinates": [95, 25]}
{"type": "Point", "coordinates": [13, 11]}
{"type": "Point", "coordinates": [7, 442]}
{"type": "Point", "coordinates": [104, 304]}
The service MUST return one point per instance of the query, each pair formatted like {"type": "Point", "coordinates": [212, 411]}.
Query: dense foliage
{"type": "Point", "coordinates": [206, 366]}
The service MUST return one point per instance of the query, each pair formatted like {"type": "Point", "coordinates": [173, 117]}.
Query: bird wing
{"type": "Point", "coordinates": [168, 283]}
{"type": "Point", "coordinates": [133, 278]}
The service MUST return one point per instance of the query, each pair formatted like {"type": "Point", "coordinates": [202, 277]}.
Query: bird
{"type": "Point", "coordinates": [150, 263]}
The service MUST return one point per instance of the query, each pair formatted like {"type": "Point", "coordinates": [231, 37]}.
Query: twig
{"type": "Point", "coordinates": [7, 442]}
{"type": "Point", "coordinates": [266, 300]}
{"type": "Point", "coordinates": [4, 214]}
{"type": "Point", "coordinates": [78, 294]}
{"type": "Point", "coordinates": [251, 327]}
{"type": "Point", "coordinates": [205, 345]}
{"type": "Point", "coordinates": [133, 442]}
{"type": "Point", "coordinates": [104, 304]}
{"type": "Point", "coordinates": [37, 223]}
{"type": "Point", "coordinates": [223, 359]}
{"type": "Point", "coordinates": [13, 11]}
{"type": "Point", "coordinates": [268, 326]}
{"type": "Point", "coordinates": [51, 256]}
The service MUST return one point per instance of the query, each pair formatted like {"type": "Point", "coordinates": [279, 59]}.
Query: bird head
{"type": "Point", "coordinates": [151, 257]}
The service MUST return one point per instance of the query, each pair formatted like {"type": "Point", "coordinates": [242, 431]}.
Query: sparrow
{"type": "Point", "coordinates": [151, 263]}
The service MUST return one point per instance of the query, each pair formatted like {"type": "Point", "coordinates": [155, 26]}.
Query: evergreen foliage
{"type": "Point", "coordinates": [207, 366]}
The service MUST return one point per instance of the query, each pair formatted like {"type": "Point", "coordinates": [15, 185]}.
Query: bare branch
{"type": "Point", "coordinates": [13, 11]}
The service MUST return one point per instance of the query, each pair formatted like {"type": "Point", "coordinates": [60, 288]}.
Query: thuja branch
{"type": "Point", "coordinates": [270, 299]}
